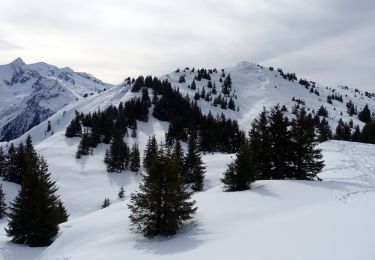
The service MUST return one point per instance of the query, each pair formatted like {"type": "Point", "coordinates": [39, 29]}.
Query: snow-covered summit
{"type": "Point", "coordinates": [31, 93]}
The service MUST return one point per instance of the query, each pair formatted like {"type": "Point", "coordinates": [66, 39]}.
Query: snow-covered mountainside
{"type": "Point", "coordinates": [32, 93]}
{"type": "Point", "coordinates": [275, 220]}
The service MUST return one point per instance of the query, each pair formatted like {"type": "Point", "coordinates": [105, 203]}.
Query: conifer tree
{"type": "Point", "coordinates": [49, 127]}
{"type": "Point", "coordinates": [63, 214]}
{"type": "Point", "coordinates": [240, 173]}
{"type": "Point", "coordinates": [324, 131]}
{"type": "Point", "coordinates": [74, 129]}
{"type": "Point", "coordinates": [365, 114]}
{"type": "Point", "coordinates": [356, 136]}
{"type": "Point", "coordinates": [307, 161]}
{"type": "Point", "coordinates": [3, 164]}
{"type": "Point", "coordinates": [118, 155]}
{"type": "Point", "coordinates": [135, 161]}
{"type": "Point", "coordinates": [178, 157]}
{"type": "Point", "coordinates": [11, 164]}
{"type": "Point", "coordinates": [106, 203]}
{"type": "Point", "coordinates": [3, 205]}
{"type": "Point", "coordinates": [162, 203]}
{"type": "Point", "coordinates": [194, 166]}
{"type": "Point", "coordinates": [121, 193]}
{"type": "Point", "coordinates": [150, 153]}
{"type": "Point", "coordinates": [193, 85]}
{"type": "Point", "coordinates": [260, 143]}
{"type": "Point", "coordinates": [84, 147]}
{"type": "Point", "coordinates": [35, 214]}
{"type": "Point", "coordinates": [281, 152]}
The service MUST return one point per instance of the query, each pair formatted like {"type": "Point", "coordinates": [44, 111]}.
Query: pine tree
{"type": "Point", "coordinates": [118, 156]}
{"type": "Point", "coordinates": [106, 203]}
{"type": "Point", "coordinates": [135, 161]}
{"type": "Point", "coordinates": [240, 173]}
{"type": "Point", "coordinates": [194, 166]}
{"type": "Point", "coordinates": [34, 214]}
{"type": "Point", "coordinates": [307, 161]}
{"type": "Point", "coordinates": [162, 203]}
{"type": "Point", "coordinates": [3, 205]}
{"type": "Point", "coordinates": [121, 193]}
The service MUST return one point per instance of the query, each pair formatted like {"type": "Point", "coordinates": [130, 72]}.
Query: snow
{"type": "Point", "coordinates": [25, 88]}
{"type": "Point", "coordinates": [332, 219]}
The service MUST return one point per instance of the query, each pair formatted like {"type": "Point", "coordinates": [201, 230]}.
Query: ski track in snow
{"type": "Point", "coordinates": [362, 160]}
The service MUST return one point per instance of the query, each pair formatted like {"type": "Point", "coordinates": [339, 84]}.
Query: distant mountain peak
{"type": "Point", "coordinates": [17, 62]}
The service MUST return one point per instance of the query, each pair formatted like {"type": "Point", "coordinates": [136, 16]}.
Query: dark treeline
{"type": "Point", "coordinates": [277, 149]}
{"type": "Point", "coordinates": [37, 210]}
{"type": "Point", "coordinates": [346, 131]}
{"type": "Point", "coordinates": [213, 134]}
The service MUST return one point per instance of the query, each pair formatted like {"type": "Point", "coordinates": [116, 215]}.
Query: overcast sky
{"type": "Point", "coordinates": [330, 41]}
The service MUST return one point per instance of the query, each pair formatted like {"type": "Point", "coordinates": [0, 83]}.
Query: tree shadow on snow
{"type": "Point", "coordinates": [188, 238]}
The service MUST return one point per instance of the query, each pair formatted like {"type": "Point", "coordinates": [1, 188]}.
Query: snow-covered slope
{"type": "Point", "coordinates": [332, 219]}
{"type": "Point", "coordinates": [32, 93]}
{"type": "Point", "coordinates": [257, 87]}
{"type": "Point", "coordinates": [276, 220]}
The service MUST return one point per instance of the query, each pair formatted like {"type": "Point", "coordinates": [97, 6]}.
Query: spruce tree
{"type": "Point", "coordinates": [324, 131]}
{"type": "Point", "coordinates": [74, 129]}
{"type": "Point", "coordinates": [240, 173]}
{"type": "Point", "coordinates": [307, 161]}
{"type": "Point", "coordinates": [63, 214]}
{"type": "Point", "coordinates": [150, 153]}
{"type": "Point", "coordinates": [260, 143]}
{"type": "Point", "coordinates": [49, 127]}
{"type": "Point", "coordinates": [193, 85]}
{"type": "Point", "coordinates": [365, 114]}
{"type": "Point", "coordinates": [178, 157]}
{"type": "Point", "coordinates": [84, 146]}
{"type": "Point", "coordinates": [3, 163]}
{"type": "Point", "coordinates": [194, 166]}
{"type": "Point", "coordinates": [162, 203]}
{"type": "Point", "coordinates": [106, 203]}
{"type": "Point", "coordinates": [121, 193]}
{"type": "Point", "coordinates": [135, 160]}
{"type": "Point", "coordinates": [35, 214]}
{"type": "Point", "coordinates": [281, 153]}
{"type": "Point", "coordinates": [117, 157]}
{"type": "Point", "coordinates": [11, 165]}
{"type": "Point", "coordinates": [3, 205]}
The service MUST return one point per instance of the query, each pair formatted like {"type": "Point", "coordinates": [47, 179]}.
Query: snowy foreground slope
{"type": "Point", "coordinates": [332, 219]}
